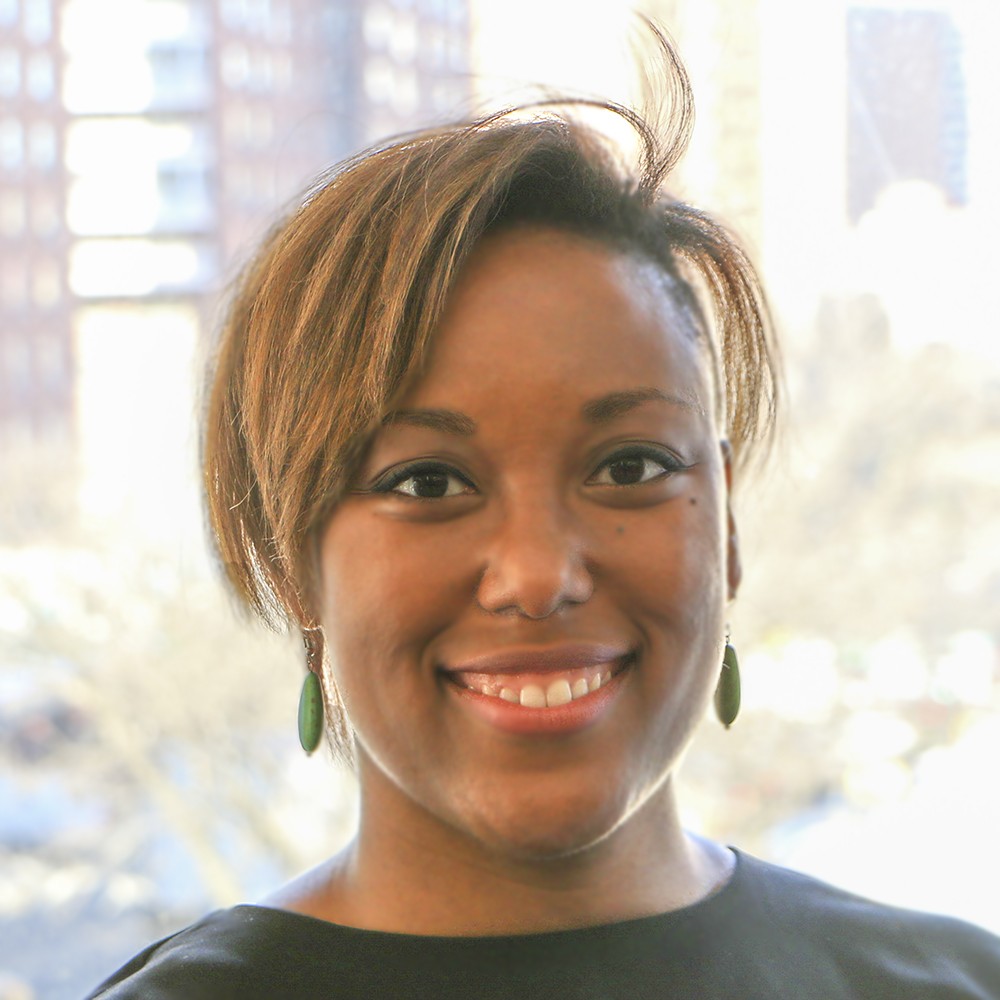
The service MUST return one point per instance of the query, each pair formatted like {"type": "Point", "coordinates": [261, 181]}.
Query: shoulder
{"type": "Point", "coordinates": [870, 941]}
{"type": "Point", "coordinates": [245, 952]}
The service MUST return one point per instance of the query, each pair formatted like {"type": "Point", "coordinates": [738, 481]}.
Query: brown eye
{"type": "Point", "coordinates": [427, 485]}
{"type": "Point", "coordinates": [628, 471]}
{"type": "Point", "coordinates": [636, 466]}
{"type": "Point", "coordinates": [425, 481]}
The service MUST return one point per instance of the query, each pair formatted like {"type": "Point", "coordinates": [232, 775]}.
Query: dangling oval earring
{"type": "Point", "coordinates": [310, 701]}
{"type": "Point", "coordinates": [727, 691]}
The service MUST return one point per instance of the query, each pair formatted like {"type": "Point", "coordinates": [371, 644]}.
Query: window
{"type": "Point", "coordinates": [37, 20]}
{"type": "Point", "coordinates": [231, 12]}
{"type": "Point", "coordinates": [405, 92]}
{"type": "Point", "coordinates": [380, 80]}
{"type": "Point", "coordinates": [258, 15]}
{"type": "Point", "coordinates": [50, 360]}
{"type": "Point", "coordinates": [12, 283]}
{"type": "Point", "coordinates": [10, 72]}
{"type": "Point", "coordinates": [261, 72]}
{"type": "Point", "coordinates": [45, 284]}
{"type": "Point", "coordinates": [8, 13]}
{"type": "Point", "coordinates": [235, 65]}
{"type": "Point", "coordinates": [180, 76]}
{"type": "Point", "coordinates": [282, 71]}
{"type": "Point", "coordinates": [44, 215]}
{"type": "Point", "coordinates": [42, 146]}
{"type": "Point", "coordinates": [41, 77]}
{"type": "Point", "coordinates": [281, 25]}
{"type": "Point", "coordinates": [11, 213]}
{"type": "Point", "coordinates": [377, 27]}
{"type": "Point", "coordinates": [137, 267]}
{"type": "Point", "coordinates": [100, 81]}
{"type": "Point", "coordinates": [252, 15]}
{"type": "Point", "coordinates": [243, 67]}
{"type": "Point", "coordinates": [403, 39]}
{"type": "Point", "coordinates": [11, 144]}
{"type": "Point", "coordinates": [185, 200]}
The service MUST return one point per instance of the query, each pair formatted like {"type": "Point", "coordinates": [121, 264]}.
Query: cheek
{"type": "Point", "coordinates": [385, 594]}
{"type": "Point", "coordinates": [677, 590]}
{"type": "Point", "coordinates": [677, 558]}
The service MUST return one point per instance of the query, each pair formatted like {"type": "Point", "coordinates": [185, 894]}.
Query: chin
{"type": "Point", "coordinates": [543, 828]}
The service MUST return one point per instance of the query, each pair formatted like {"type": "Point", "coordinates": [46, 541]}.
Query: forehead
{"type": "Point", "coordinates": [565, 314]}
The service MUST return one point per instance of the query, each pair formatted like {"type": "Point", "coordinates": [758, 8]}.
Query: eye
{"type": "Point", "coordinates": [424, 481]}
{"type": "Point", "coordinates": [634, 466]}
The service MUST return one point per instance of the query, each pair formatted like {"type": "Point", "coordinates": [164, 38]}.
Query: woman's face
{"type": "Point", "coordinates": [523, 593]}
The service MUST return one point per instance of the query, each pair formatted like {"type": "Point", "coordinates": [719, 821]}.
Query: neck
{"type": "Point", "coordinates": [422, 877]}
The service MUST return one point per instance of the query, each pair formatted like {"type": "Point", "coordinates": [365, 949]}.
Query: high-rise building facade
{"type": "Point", "coordinates": [144, 144]}
{"type": "Point", "coordinates": [906, 107]}
{"type": "Point", "coordinates": [35, 387]}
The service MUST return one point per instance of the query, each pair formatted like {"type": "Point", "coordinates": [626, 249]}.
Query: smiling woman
{"type": "Point", "coordinates": [498, 552]}
{"type": "Point", "coordinates": [474, 424]}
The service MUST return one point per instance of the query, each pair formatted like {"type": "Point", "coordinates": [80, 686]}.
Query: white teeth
{"type": "Point", "coordinates": [532, 696]}
{"type": "Point", "coordinates": [558, 693]}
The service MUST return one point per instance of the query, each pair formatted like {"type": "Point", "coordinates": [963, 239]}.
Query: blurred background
{"type": "Point", "coordinates": [149, 769]}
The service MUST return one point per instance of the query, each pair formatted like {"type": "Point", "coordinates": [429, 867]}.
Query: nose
{"type": "Point", "coordinates": [536, 563]}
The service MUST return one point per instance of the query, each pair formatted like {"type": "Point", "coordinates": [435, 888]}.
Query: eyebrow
{"type": "Point", "coordinates": [598, 411]}
{"type": "Point", "coordinates": [448, 421]}
{"type": "Point", "coordinates": [614, 404]}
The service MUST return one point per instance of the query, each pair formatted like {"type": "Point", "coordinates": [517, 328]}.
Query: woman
{"type": "Point", "coordinates": [473, 428]}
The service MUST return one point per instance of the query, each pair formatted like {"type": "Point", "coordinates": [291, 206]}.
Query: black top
{"type": "Point", "coordinates": [769, 933]}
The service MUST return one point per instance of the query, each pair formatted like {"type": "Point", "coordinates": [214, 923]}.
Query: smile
{"type": "Point", "coordinates": [541, 691]}
{"type": "Point", "coordinates": [537, 691]}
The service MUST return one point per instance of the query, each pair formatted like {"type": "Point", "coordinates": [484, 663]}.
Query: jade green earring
{"type": "Point", "coordinates": [311, 702]}
{"type": "Point", "coordinates": [727, 692]}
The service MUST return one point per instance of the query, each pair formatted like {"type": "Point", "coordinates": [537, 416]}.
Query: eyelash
{"type": "Point", "coordinates": [670, 463]}
{"type": "Point", "coordinates": [392, 480]}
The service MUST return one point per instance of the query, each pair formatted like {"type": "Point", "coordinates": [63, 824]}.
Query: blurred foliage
{"type": "Point", "coordinates": [128, 674]}
{"type": "Point", "coordinates": [881, 510]}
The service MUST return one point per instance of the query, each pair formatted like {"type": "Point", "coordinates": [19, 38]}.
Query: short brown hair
{"type": "Point", "coordinates": [333, 316]}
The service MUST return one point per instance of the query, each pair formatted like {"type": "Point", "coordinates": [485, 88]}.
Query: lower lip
{"type": "Point", "coordinates": [511, 717]}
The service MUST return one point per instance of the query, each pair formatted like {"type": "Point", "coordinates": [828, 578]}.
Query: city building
{"type": "Point", "coordinates": [144, 145]}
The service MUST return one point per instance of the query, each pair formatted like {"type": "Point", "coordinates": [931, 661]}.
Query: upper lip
{"type": "Point", "coordinates": [540, 659]}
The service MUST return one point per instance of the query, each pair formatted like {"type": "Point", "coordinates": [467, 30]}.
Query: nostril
{"type": "Point", "coordinates": [534, 595]}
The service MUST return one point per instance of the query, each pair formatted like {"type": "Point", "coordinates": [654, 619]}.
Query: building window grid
{"type": "Point", "coordinates": [272, 69]}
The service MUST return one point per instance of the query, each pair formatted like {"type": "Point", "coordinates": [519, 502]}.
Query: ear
{"type": "Point", "coordinates": [734, 568]}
